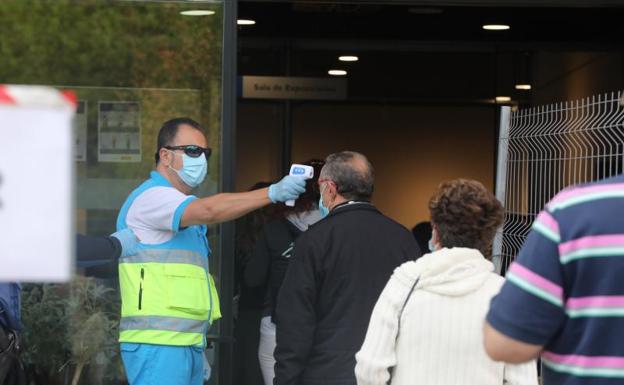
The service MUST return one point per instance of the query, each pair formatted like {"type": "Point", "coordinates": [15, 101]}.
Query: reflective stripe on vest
{"type": "Point", "coordinates": [164, 323]}
{"type": "Point", "coordinates": [167, 256]}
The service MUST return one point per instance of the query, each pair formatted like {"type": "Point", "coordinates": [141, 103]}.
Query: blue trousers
{"type": "Point", "coordinates": [163, 365]}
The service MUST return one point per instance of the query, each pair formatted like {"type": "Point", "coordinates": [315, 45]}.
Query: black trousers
{"type": "Point", "coordinates": [247, 336]}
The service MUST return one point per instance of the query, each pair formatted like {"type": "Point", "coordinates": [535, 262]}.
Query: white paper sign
{"type": "Point", "coordinates": [36, 188]}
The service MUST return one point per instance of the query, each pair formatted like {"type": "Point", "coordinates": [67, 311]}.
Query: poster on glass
{"type": "Point", "coordinates": [119, 132]}
{"type": "Point", "coordinates": [80, 132]}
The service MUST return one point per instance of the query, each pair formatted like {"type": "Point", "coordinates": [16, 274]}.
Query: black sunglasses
{"type": "Point", "coordinates": [192, 150]}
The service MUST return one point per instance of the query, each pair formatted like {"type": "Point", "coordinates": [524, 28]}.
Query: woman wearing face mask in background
{"type": "Point", "coordinates": [270, 259]}
{"type": "Point", "coordinates": [427, 326]}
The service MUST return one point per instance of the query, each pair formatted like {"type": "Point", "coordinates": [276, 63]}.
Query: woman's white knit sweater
{"type": "Point", "coordinates": [440, 341]}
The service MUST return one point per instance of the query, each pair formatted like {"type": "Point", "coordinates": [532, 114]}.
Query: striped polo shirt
{"type": "Point", "coordinates": [565, 290]}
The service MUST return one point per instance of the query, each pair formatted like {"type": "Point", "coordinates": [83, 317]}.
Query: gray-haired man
{"type": "Point", "coordinates": [338, 269]}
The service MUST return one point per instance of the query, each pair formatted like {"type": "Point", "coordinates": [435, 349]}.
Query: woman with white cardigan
{"type": "Point", "coordinates": [426, 327]}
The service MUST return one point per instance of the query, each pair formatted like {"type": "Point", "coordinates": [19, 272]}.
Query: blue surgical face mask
{"type": "Point", "coordinates": [432, 247]}
{"type": "Point", "coordinates": [324, 210]}
{"type": "Point", "coordinates": [193, 171]}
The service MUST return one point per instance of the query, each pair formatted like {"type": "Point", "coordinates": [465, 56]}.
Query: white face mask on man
{"type": "Point", "coordinates": [193, 171]}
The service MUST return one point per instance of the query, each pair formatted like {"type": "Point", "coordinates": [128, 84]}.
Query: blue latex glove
{"type": "Point", "coordinates": [129, 242]}
{"type": "Point", "coordinates": [289, 188]}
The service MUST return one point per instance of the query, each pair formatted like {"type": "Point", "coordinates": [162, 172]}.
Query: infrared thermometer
{"type": "Point", "coordinates": [307, 172]}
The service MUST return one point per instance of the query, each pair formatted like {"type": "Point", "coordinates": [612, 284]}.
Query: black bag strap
{"type": "Point", "coordinates": [12, 371]}
{"type": "Point", "coordinates": [405, 304]}
{"type": "Point", "coordinates": [399, 321]}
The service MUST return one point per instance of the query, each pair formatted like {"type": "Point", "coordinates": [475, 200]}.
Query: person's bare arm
{"type": "Point", "coordinates": [223, 207]}
{"type": "Point", "coordinates": [503, 348]}
{"type": "Point", "coordinates": [227, 206]}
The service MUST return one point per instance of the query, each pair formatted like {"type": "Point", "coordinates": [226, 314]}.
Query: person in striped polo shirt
{"type": "Point", "coordinates": [564, 295]}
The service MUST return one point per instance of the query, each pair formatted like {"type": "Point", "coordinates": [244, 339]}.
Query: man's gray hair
{"type": "Point", "coordinates": [352, 173]}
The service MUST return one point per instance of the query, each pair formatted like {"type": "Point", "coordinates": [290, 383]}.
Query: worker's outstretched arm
{"type": "Point", "coordinates": [228, 206]}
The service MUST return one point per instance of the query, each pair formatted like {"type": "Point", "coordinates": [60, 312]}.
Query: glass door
{"type": "Point", "coordinates": [132, 65]}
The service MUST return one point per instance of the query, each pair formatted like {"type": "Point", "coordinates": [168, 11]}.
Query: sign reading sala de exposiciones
{"type": "Point", "coordinates": [272, 87]}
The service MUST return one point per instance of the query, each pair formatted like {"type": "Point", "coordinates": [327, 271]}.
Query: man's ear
{"type": "Point", "coordinates": [165, 156]}
{"type": "Point", "coordinates": [333, 190]}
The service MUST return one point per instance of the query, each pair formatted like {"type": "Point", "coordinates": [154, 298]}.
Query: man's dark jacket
{"type": "Point", "coordinates": [338, 269]}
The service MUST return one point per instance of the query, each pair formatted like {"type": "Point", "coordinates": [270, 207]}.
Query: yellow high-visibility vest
{"type": "Point", "coordinates": [168, 296]}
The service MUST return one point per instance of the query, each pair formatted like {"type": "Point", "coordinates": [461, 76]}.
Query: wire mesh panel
{"type": "Point", "coordinates": [547, 148]}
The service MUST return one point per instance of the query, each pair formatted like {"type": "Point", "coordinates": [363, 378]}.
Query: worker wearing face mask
{"type": "Point", "coordinates": [168, 296]}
